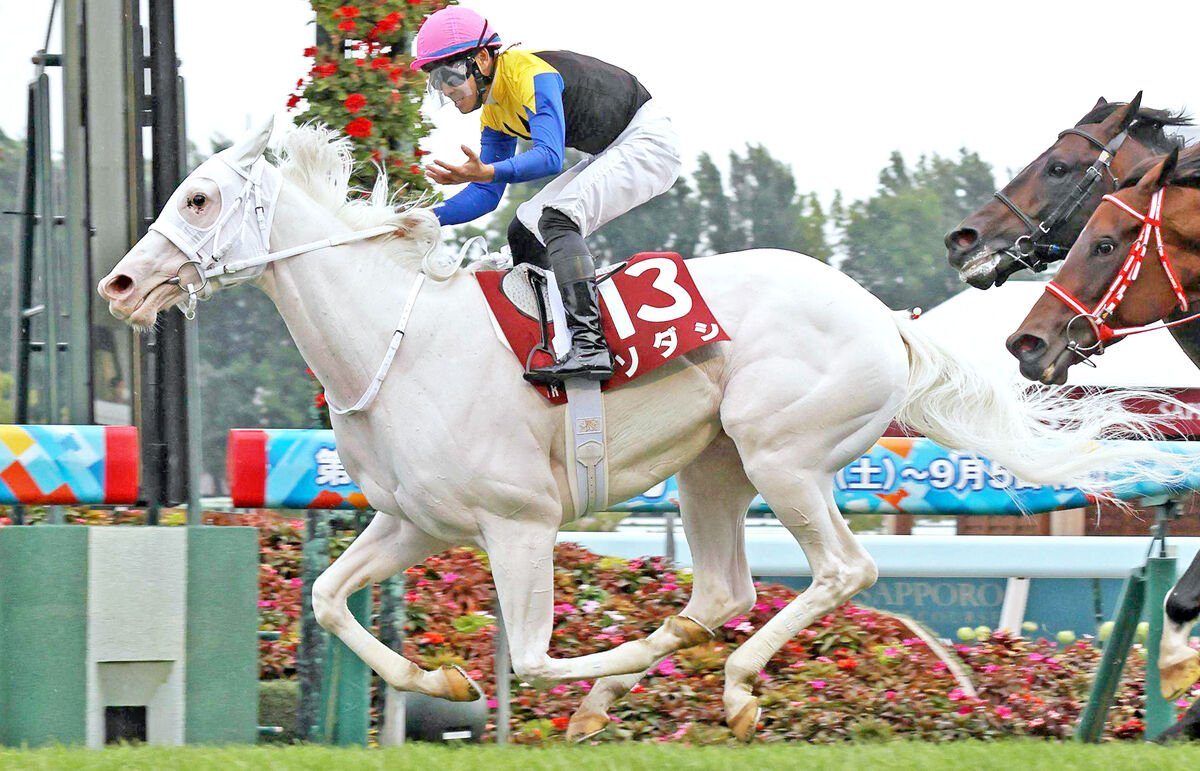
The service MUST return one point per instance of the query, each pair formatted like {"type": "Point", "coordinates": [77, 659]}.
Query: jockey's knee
{"type": "Point", "coordinates": [524, 245]}
{"type": "Point", "coordinates": [564, 244]}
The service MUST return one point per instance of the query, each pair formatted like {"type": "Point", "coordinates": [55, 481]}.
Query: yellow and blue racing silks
{"type": "Point", "coordinates": [556, 99]}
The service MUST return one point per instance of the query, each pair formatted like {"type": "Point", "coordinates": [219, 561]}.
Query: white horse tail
{"type": "Point", "coordinates": [1039, 434]}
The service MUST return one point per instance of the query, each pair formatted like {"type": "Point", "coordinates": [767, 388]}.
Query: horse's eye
{"type": "Point", "coordinates": [197, 201]}
{"type": "Point", "coordinates": [1057, 169]}
{"type": "Point", "coordinates": [1103, 248]}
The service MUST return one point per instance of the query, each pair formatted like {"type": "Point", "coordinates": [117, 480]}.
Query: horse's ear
{"type": "Point", "coordinates": [1123, 117]}
{"type": "Point", "coordinates": [1161, 177]}
{"type": "Point", "coordinates": [1101, 102]}
{"type": "Point", "coordinates": [251, 147]}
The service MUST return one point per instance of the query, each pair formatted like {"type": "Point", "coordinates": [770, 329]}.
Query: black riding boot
{"type": "Point", "coordinates": [589, 356]}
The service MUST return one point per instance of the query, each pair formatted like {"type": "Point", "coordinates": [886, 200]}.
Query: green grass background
{"type": "Point", "coordinates": [976, 756]}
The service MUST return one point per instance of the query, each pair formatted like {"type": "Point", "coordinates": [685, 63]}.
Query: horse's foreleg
{"type": "Point", "coordinates": [714, 495]}
{"type": "Point", "coordinates": [521, 553]}
{"type": "Point", "coordinates": [388, 545]}
{"type": "Point", "coordinates": [1178, 662]}
{"type": "Point", "coordinates": [840, 566]}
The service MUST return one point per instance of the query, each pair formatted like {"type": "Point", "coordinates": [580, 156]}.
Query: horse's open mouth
{"type": "Point", "coordinates": [980, 270]}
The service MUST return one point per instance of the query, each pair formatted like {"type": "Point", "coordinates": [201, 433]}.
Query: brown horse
{"type": "Point", "coordinates": [1033, 221]}
{"type": "Point", "coordinates": [1136, 262]}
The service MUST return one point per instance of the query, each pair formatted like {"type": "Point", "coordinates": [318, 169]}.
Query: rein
{"type": "Point", "coordinates": [1107, 305]}
{"type": "Point", "coordinates": [1031, 250]}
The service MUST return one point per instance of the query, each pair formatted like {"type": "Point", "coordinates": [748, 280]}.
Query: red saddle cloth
{"type": "Point", "coordinates": [652, 312]}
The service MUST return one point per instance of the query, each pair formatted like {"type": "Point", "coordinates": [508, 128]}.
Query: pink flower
{"type": "Point", "coordinates": [957, 695]}
{"type": "Point", "coordinates": [824, 659]}
{"type": "Point", "coordinates": [266, 603]}
{"type": "Point", "coordinates": [296, 583]}
{"type": "Point", "coordinates": [890, 652]}
{"type": "Point", "coordinates": [668, 587]}
{"type": "Point", "coordinates": [475, 674]}
{"type": "Point", "coordinates": [1003, 712]}
{"type": "Point", "coordinates": [1036, 657]}
{"type": "Point", "coordinates": [964, 710]}
{"type": "Point", "coordinates": [990, 668]}
{"type": "Point", "coordinates": [817, 685]}
{"type": "Point", "coordinates": [559, 689]}
{"type": "Point", "coordinates": [665, 667]}
{"type": "Point", "coordinates": [450, 577]}
{"type": "Point", "coordinates": [491, 703]}
{"type": "Point", "coordinates": [889, 695]}
{"type": "Point", "coordinates": [733, 622]}
{"type": "Point", "coordinates": [1183, 703]}
{"type": "Point", "coordinates": [939, 666]}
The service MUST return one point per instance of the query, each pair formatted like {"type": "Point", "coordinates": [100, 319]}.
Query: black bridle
{"type": "Point", "coordinates": [1034, 250]}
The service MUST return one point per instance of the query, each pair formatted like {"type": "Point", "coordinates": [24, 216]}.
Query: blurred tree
{"type": "Point", "coordinates": [892, 242]}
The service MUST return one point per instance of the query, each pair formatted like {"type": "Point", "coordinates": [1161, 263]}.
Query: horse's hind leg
{"type": "Point", "coordinates": [803, 502]}
{"type": "Point", "coordinates": [714, 496]}
{"type": "Point", "coordinates": [388, 545]}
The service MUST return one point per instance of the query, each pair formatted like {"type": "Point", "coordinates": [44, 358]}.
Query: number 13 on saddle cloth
{"type": "Point", "coordinates": [651, 309]}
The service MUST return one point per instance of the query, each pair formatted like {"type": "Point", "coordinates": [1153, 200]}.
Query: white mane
{"type": "Point", "coordinates": [320, 161]}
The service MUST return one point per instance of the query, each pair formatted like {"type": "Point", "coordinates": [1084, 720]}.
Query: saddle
{"type": "Point", "coordinates": [534, 294]}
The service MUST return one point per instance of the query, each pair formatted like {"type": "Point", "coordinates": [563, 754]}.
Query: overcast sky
{"type": "Point", "coordinates": [830, 88]}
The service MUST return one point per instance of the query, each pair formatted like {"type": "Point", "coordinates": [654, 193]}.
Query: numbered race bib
{"type": "Point", "coordinates": [652, 313]}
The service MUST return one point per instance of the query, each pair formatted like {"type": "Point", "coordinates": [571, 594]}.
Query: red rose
{"type": "Point", "coordinates": [346, 11]}
{"type": "Point", "coordinates": [360, 62]}
{"type": "Point", "coordinates": [300, 83]}
{"type": "Point", "coordinates": [396, 74]}
{"type": "Point", "coordinates": [415, 169]}
{"type": "Point", "coordinates": [418, 151]}
{"type": "Point", "coordinates": [293, 100]}
{"type": "Point", "coordinates": [397, 162]}
{"type": "Point", "coordinates": [348, 26]}
{"type": "Point", "coordinates": [359, 127]}
{"type": "Point", "coordinates": [414, 2]}
{"type": "Point", "coordinates": [376, 156]}
{"type": "Point", "coordinates": [310, 51]}
{"type": "Point", "coordinates": [379, 62]}
{"type": "Point", "coordinates": [325, 70]}
{"type": "Point", "coordinates": [354, 102]}
{"type": "Point", "coordinates": [319, 399]}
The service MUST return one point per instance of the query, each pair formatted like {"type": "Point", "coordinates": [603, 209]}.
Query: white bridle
{"type": "Point", "coordinates": [249, 184]}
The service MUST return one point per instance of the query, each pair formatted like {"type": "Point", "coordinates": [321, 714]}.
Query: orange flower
{"type": "Point", "coordinates": [560, 722]}
{"type": "Point", "coordinates": [847, 663]}
{"type": "Point", "coordinates": [432, 638]}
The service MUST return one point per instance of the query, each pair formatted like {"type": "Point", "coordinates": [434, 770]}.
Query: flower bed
{"type": "Point", "coordinates": [855, 674]}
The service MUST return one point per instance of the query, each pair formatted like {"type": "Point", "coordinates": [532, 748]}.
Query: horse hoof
{"type": "Point", "coordinates": [1176, 678]}
{"type": "Point", "coordinates": [459, 687]}
{"type": "Point", "coordinates": [745, 723]}
{"type": "Point", "coordinates": [585, 725]}
{"type": "Point", "coordinates": [691, 632]}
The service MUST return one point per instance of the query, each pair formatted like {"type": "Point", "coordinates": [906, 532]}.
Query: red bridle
{"type": "Point", "coordinates": [1107, 306]}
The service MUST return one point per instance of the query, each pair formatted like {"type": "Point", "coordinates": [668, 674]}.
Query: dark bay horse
{"type": "Point", "coordinates": [1135, 264]}
{"type": "Point", "coordinates": [1034, 219]}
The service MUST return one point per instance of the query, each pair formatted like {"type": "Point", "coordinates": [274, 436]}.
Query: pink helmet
{"type": "Point", "coordinates": [451, 31]}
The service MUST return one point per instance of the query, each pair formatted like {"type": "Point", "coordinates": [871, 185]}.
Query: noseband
{"type": "Point", "coordinates": [1032, 250]}
{"type": "Point", "coordinates": [1097, 317]}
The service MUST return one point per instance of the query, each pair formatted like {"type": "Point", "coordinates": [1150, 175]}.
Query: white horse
{"type": "Point", "coordinates": [458, 449]}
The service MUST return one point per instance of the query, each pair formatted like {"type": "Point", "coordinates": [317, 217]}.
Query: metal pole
{"type": "Point", "coordinates": [503, 666]}
{"type": "Point", "coordinates": [171, 403]}
{"type": "Point", "coordinates": [77, 261]}
{"type": "Point", "coordinates": [669, 545]}
{"type": "Point", "coordinates": [24, 273]}
{"type": "Point", "coordinates": [1160, 577]}
{"type": "Point", "coordinates": [1108, 675]}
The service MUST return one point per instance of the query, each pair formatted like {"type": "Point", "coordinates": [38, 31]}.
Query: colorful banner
{"type": "Point", "coordinates": [68, 464]}
{"type": "Point", "coordinates": [300, 469]}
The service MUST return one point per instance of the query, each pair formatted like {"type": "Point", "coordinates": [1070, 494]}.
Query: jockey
{"type": "Point", "coordinates": [557, 99]}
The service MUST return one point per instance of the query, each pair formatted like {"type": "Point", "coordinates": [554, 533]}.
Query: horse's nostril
{"type": "Point", "coordinates": [958, 243]}
{"type": "Point", "coordinates": [1026, 346]}
{"type": "Point", "coordinates": [120, 284]}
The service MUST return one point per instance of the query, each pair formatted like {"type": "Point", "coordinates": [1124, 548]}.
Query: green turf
{"type": "Point", "coordinates": [976, 756]}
